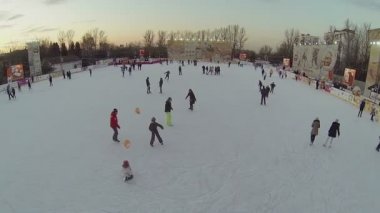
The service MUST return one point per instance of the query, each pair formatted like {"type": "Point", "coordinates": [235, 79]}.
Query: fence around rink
{"type": "Point", "coordinates": [343, 95]}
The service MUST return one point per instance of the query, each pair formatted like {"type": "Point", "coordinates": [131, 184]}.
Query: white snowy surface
{"type": "Point", "coordinates": [229, 155]}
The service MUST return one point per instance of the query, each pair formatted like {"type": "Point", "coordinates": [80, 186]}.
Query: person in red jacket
{"type": "Point", "coordinates": [114, 125]}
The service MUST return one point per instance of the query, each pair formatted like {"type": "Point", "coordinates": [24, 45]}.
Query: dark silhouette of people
{"type": "Point", "coordinates": [160, 84]}
{"type": "Point", "coordinates": [180, 70]}
{"type": "Point", "coordinates": [361, 108]}
{"type": "Point", "coordinates": [263, 95]}
{"type": "Point", "coordinates": [51, 80]}
{"type": "Point", "coordinates": [147, 85]}
{"type": "Point", "coordinates": [192, 98]}
{"type": "Point", "coordinates": [153, 129]}
{"type": "Point", "coordinates": [167, 73]}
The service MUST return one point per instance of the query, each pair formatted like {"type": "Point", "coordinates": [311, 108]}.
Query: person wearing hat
{"type": "Point", "coordinates": [153, 129]}
{"type": "Point", "coordinates": [334, 129]}
{"type": "Point", "coordinates": [114, 125]}
{"type": "Point", "coordinates": [127, 171]}
{"type": "Point", "coordinates": [168, 109]}
{"type": "Point", "coordinates": [314, 129]}
{"type": "Point", "coordinates": [192, 98]}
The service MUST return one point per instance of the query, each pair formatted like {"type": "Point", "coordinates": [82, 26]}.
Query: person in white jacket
{"type": "Point", "coordinates": [127, 171]}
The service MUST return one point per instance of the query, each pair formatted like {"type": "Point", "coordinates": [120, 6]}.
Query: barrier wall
{"type": "Point", "coordinates": [343, 95]}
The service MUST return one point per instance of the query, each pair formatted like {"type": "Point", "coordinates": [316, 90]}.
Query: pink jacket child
{"type": "Point", "coordinates": [127, 171]}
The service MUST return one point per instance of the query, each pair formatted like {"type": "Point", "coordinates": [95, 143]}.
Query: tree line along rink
{"type": "Point", "coordinates": [229, 154]}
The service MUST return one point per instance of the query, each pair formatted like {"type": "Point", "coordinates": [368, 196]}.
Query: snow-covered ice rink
{"type": "Point", "coordinates": [228, 155]}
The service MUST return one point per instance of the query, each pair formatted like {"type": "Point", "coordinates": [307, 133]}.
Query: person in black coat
{"type": "Point", "coordinates": [167, 73]}
{"type": "Point", "coordinates": [317, 84]}
{"type": "Point", "coordinates": [263, 95]}
{"type": "Point", "coordinates": [203, 69]}
{"type": "Point", "coordinates": [192, 98]}
{"type": "Point", "coordinates": [9, 91]}
{"type": "Point", "coordinates": [272, 86]}
{"type": "Point", "coordinates": [13, 92]}
{"type": "Point", "coordinates": [90, 72]}
{"type": "Point", "coordinates": [260, 85]}
{"type": "Point", "coordinates": [160, 84]}
{"type": "Point", "coordinates": [168, 109]}
{"type": "Point", "coordinates": [147, 85]}
{"type": "Point", "coordinates": [180, 70]}
{"type": "Point", "coordinates": [361, 108]}
{"type": "Point", "coordinates": [334, 129]}
{"type": "Point", "coordinates": [51, 80]}
{"type": "Point", "coordinates": [267, 88]}
{"type": "Point", "coordinates": [153, 129]}
{"type": "Point", "coordinates": [29, 84]}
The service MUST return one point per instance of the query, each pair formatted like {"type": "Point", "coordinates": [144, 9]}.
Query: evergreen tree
{"type": "Point", "coordinates": [64, 51]}
{"type": "Point", "coordinates": [72, 48]}
{"type": "Point", "coordinates": [78, 51]}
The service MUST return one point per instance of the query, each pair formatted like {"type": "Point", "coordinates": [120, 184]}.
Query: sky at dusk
{"type": "Point", "coordinates": [127, 20]}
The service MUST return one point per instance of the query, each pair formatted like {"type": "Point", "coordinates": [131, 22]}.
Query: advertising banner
{"type": "Point", "coordinates": [15, 72]}
{"type": "Point", "coordinates": [349, 76]}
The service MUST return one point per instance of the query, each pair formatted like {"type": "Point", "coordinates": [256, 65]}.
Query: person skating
{"type": "Point", "coordinates": [13, 93]}
{"type": "Point", "coordinates": [263, 95]}
{"type": "Point", "coordinates": [378, 146]}
{"type": "Point", "coordinates": [179, 70]}
{"type": "Point", "coordinates": [90, 72]}
{"type": "Point", "coordinates": [160, 84]}
{"type": "Point", "coordinates": [147, 85]}
{"type": "Point", "coordinates": [260, 85]}
{"type": "Point", "coordinates": [153, 129]}
{"type": "Point", "coordinates": [123, 70]}
{"type": "Point", "coordinates": [51, 80]}
{"type": "Point", "coordinates": [127, 171]}
{"type": "Point", "coordinates": [29, 84]}
{"type": "Point", "coordinates": [361, 108]}
{"type": "Point", "coordinates": [168, 109]}
{"type": "Point", "coordinates": [167, 73]}
{"type": "Point", "coordinates": [114, 125]}
{"type": "Point", "coordinates": [63, 73]}
{"type": "Point", "coordinates": [267, 88]}
{"type": "Point", "coordinates": [130, 70]}
{"type": "Point", "coordinates": [272, 86]}
{"type": "Point", "coordinates": [314, 130]}
{"type": "Point", "coordinates": [317, 84]}
{"type": "Point", "coordinates": [334, 129]}
{"type": "Point", "coordinates": [192, 98]}
{"type": "Point", "coordinates": [373, 111]}
{"type": "Point", "coordinates": [270, 73]}
{"type": "Point", "coordinates": [19, 86]}
{"type": "Point", "coordinates": [9, 92]}
{"type": "Point", "coordinates": [203, 69]}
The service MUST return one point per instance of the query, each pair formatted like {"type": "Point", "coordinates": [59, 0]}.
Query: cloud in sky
{"type": "Point", "coordinates": [15, 17]}
{"type": "Point", "coordinates": [369, 4]}
{"type": "Point", "coordinates": [54, 2]}
{"type": "Point", "coordinates": [4, 26]}
{"type": "Point", "coordinates": [40, 29]}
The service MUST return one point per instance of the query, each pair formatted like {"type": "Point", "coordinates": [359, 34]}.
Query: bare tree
{"type": "Point", "coordinates": [265, 50]}
{"type": "Point", "coordinates": [242, 38]}
{"type": "Point", "coordinates": [286, 47]}
{"type": "Point", "coordinates": [329, 36]}
{"type": "Point", "coordinates": [69, 36]}
{"type": "Point", "coordinates": [61, 37]}
{"type": "Point", "coordinates": [88, 44]}
{"type": "Point", "coordinates": [161, 41]}
{"type": "Point", "coordinates": [95, 35]}
{"type": "Point", "coordinates": [103, 44]}
{"type": "Point", "coordinates": [149, 38]}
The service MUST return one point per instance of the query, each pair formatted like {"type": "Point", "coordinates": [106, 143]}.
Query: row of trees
{"type": "Point", "coordinates": [354, 51]}
{"type": "Point", "coordinates": [233, 34]}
